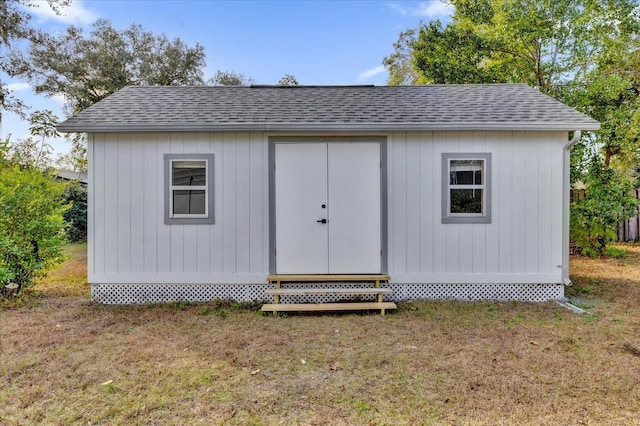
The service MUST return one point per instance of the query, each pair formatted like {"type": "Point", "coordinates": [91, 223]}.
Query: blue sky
{"type": "Point", "coordinates": [318, 42]}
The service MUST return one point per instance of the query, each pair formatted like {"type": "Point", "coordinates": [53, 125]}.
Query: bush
{"type": "Point", "coordinates": [594, 218]}
{"type": "Point", "coordinates": [75, 194]}
{"type": "Point", "coordinates": [32, 229]}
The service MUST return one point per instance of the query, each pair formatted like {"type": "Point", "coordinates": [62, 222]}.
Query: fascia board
{"type": "Point", "coordinates": [328, 127]}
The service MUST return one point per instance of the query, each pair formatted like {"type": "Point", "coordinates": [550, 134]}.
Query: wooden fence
{"type": "Point", "coordinates": [629, 230]}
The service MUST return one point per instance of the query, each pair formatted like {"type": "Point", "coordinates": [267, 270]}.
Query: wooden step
{"type": "Point", "coordinates": [328, 278]}
{"type": "Point", "coordinates": [325, 291]}
{"type": "Point", "coordinates": [310, 307]}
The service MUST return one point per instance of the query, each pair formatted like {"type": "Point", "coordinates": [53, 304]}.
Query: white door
{"type": "Point", "coordinates": [301, 190]}
{"type": "Point", "coordinates": [327, 208]}
{"type": "Point", "coordinates": [354, 208]}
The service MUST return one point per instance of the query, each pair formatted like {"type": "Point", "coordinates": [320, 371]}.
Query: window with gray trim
{"type": "Point", "coordinates": [466, 188]}
{"type": "Point", "coordinates": [188, 188]}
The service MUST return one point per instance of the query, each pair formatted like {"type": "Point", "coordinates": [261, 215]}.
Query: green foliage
{"type": "Point", "coordinates": [454, 54]}
{"type": "Point", "coordinates": [5, 148]}
{"type": "Point", "coordinates": [32, 229]}
{"type": "Point", "coordinates": [615, 252]}
{"type": "Point", "coordinates": [75, 195]}
{"type": "Point", "coordinates": [76, 158]}
{"type": "Point", "coordinates": [399, 63]}
{"type": "Point", "coordinates": [610, 94]}
{"type": "Point", "coordinates": [466, 201]}
{"type": "Point", "coordinates": [35, 153]}
{"type": "Point", "coordinates": [540, 42]}
{"type": "Point", "coordinates": [608, 201]}
{"type": "Point", "coordinates": [288, 80]}
{"type": "Point", "coordinates": [229, 78]}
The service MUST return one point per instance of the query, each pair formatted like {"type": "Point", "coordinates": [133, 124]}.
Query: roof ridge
{"type": "Point", "coordinates": [304, 86]}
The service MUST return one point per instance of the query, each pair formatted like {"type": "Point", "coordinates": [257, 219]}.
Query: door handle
{"type": "Point", "coordinates": [322, 221]}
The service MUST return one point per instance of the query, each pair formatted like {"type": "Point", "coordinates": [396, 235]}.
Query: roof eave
{"type": "Point", "coordinates": [328, 127]}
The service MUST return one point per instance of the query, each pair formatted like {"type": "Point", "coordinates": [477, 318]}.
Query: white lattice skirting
{"type": "Point", "coordinates": [126, 294]}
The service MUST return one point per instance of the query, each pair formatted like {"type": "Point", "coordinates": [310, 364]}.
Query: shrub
{"type": "Point", "coordinates": [75, 194]}
{"type": "Point", "coordinates": [32, 229]}
{"type": "Point", "coordinates": [608, 201]}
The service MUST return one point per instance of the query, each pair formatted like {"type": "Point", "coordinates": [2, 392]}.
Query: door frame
{"type": "Point", "coordinates": [382, 140]}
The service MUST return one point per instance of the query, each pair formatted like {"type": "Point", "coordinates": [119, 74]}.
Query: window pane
{"type": "Point", "coordinates": [466, 201]}
{"type": "Point", "coordinates": [188, 173]}
{"type": "Point", "coordinates": [466, 172]}
{"type": "Point", "coordinates": [188, 202]}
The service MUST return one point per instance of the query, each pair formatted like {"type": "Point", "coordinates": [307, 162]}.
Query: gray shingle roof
{"type": "Point", "coordinates": [328, 108]}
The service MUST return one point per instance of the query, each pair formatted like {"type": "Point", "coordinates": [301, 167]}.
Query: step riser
{"type": "Point", "coordinates": [311, 307]}
{"type": "Point", "coordinates": [327, 291]}
{"type": "Point", "coordinates": [327, 278]}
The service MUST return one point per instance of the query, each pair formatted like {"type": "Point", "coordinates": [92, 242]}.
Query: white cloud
{"type": "Point", "coordinates": [434, 9]}
{"type": "Point", "coordinates": [431, 9]}
{"type": "Point", "coordinates": [74, 13]}
{"type": "Point", "coordinates": [404, 11]}
{"type": "Point", "coordinates": [15, 87]}
{"type": "Point", "coordinates": [370, 73]}
{"type": "Point", "coordinates": [59, 99]}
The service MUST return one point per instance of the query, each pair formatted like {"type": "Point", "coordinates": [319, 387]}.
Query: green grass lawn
{"type": "Point", "coordinates": [65, 360]}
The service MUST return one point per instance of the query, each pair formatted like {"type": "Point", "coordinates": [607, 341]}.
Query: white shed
{"type": "Point", "coordinates": [453, 191]}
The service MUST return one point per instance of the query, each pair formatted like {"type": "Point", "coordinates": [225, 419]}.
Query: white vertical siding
{"type": "Point", "coordinates": [163, 248]}
{"type": "Point", "coordinates": [123, 214]}
{"type": "Point", "coordinates": [413, 203]}
{"type": "Point", "coordinates": [151, 200]}
{"type": "Point", "coordinates": [110, 207]}
{"type": "Point", "coordinates": [523, 242]}
{"type": "Point", "coordinates": [503, 208]}
{"type": "Point", "coordinates": [216, 233]}
{"type": "Point", "coordinates": [243, 214]}
{"type": "Point", "coordinates": [428, 202]}
{"type": "Point", "coordinates": [258, 205]}
{"type": "Point", "coordinates": [129, 240]}
{"type": "Point", "coordinates": [137, 174]}
{"type": "Point", "coordinates": [398, 187]}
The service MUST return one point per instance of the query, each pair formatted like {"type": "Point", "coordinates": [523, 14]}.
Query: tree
{"type": "Point", "coordinates": [5, 147]}
{"type": "Point", "coordinates": [288, 80]}
{"type": "Point", "coordinates": [399, 64]}
{"type": "Point", "coordinates": [454, 54]}
{"type": "Point", "coordinates": [43, 125]}
{"type": "Point", "coordinates": [35, 152]}
{"type": "Point", "coordinates": [229, 78]}
{"type": "Point", "coordinates": [87, 69]}
{"type": "Point", "coordinates": [543, 43]}
{"type": "Point", "coordinates": [15, 28]}
{"type": "Point", "coordinates": [32, 229]}
{"type": "Point", "coordinates": [610, 93]}
{"type": "Point", "coordinates": [76, 159]}
{"type": "Point", "coordinates": [532, 42]}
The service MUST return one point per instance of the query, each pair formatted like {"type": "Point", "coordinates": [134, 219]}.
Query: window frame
{"type": "Point", "coordinates": [175, 219]}
{"type": "Point", "coordinates": [485, 215]}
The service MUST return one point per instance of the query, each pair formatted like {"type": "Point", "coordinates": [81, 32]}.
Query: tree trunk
{"type": "Point", "coordinates": [10, 290]}
{"type": "Point", "coordinates": [608, 153]}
